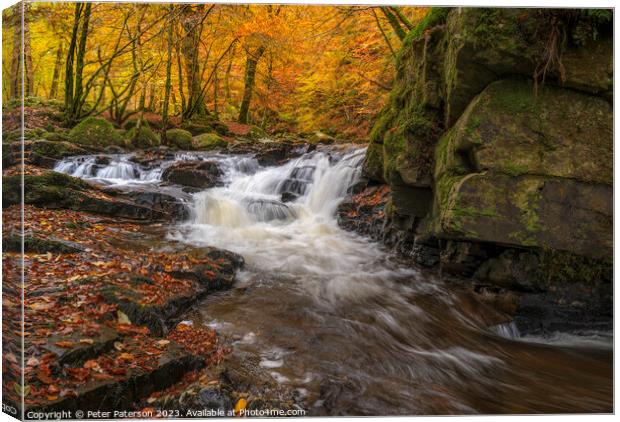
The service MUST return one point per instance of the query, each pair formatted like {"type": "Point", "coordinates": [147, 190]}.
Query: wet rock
{"type": "Point", "coordinates": [173, 207]}
{"type": "Point", "coordinates": [137, 384]}
{"type": "Point", "coordinates": [462, 258]}
{"type": "Point", "coordinates": [158, 318]}
{"type": "Point", "coordinates": [296, 183]}
{"type": "Point", "coordinates": [40, 152]}
{"type": "Point", "coordinates": [265, 210]}
{"type": "Point", "coordinates": [196, 174]}
{"type": "Point", "coordinates": [13, 243]}
{"type": "Point", "coordinates": [83, 351]}
{"type": "Point", "coordinates": [574, 309]}
{"type": "Point", "coordinates": [56, 190]}
{"type": "Point", "coordinates": [151, 159]}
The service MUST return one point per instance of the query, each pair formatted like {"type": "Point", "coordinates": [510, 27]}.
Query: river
{"type": "Point", "coordinates": [337, 318]}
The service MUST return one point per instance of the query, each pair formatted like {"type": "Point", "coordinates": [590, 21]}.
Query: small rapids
{"type": "Point", "coordinates": [339, 320]}
{"type": "Point", "coordinates": [115, 169]}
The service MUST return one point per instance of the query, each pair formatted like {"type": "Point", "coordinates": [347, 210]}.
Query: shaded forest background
{"type": "Point", "coordinates": [283, 68]}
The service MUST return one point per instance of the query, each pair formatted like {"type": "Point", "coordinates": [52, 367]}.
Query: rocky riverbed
{"type": "Point", "coordinates": [279, 274]}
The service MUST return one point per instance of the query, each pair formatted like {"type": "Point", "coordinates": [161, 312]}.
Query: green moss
{"type": "Point", "coordinates": [36, 244]}
{"type": "Point", "coordinates": [208, 141]}
{"type": "Point", "coordinates": [557, 267]}
{"type": "Point", "coordinates": [50, 189]}
{"type": "Point", "coordinates": [474, 212]}
{"type": "Point", "coordinates": [56, 136]}
{"type": "Point", "coordinates": [56, 150]}
{"type": "Point", "coordinates": [146, 138]}
{"type": "Point", "coordinates": [180, 138]}
{"type": "Point", "coordinates": [515, 170]}
{"type": "Point", "coordinates": [93, 131]}
{"type": "Point", "coordinates": [435, 16]}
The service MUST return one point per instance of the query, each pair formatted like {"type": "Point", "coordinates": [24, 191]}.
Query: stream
{"type": "Point", "coordinates": [337, 318]}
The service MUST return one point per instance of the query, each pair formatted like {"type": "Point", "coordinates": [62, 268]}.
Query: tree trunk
{"type": "Point", "coordinates": [57, 69]}
{"type": "Point", "coordinates": [21, 62]}
{"type": "Point", "coordinates": [168, 86]}
{"type": "Point", "coordinates": [70, 61]}
{"type": "Point", "coordinates": [227, 77]}
{"type": "Point", "coordinates": [74, 95]}
{"type": "Point", "coordinates": [215, 89]}
{"type": "Point", "coordinates": [28, 74]}
{"type": "Point", "coordinates": [192, 23]}
{"type": "Point", "coordinates": [393, 20]}
{"type": "Point", "coordinates": [142, 78]}
{"type": "Point", "coordinates": [401, 17]}
{"type": "Point", "coordinates": [250, 74]}
{"type": "Point", "coordinates": [16, 67]}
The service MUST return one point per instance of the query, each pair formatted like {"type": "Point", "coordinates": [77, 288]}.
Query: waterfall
{"type": "Point", "coordinates": [319, 181]}
{"type": "Point", "coordinates": [507, 330]}
{"type": "Point", "coordinates": [108, 169]}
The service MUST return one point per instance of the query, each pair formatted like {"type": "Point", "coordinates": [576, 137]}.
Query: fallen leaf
{"type": "Point", "coordinates": [241, 404]}
{"type": "Point", "coordinates": [122, 317]}
{"type": "Point", "coordinates": [44, 378]}
{"type": "Point", "coordinates": [65, 344]}
{"type": "Point", "coordinates": [32, 361]}
{"type": "Point", "coordinates": [126, 356]}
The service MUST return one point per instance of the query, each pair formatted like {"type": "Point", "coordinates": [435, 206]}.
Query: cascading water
{"type": "Point", "coordinates": [335, 317]}
{"type": "Point", "coordinates": [332, 315]}
{"type": "Point", "coordinates": [108, 169]}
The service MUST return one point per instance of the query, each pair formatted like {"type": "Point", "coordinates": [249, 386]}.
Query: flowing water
{"type": "Point", "coordinates": [339, 320]}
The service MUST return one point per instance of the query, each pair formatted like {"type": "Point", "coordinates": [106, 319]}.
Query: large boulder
{"type": "Point", "coordinates": [59, 191]}
{"type": "Point", "coordinates": [209, 141]}
{"type": "Point", "coordinates": [93, 131]}
{"type": "Point", "coordinates": [196, 174]}
{"type": "Point", "coordinates": [179, 138]}
{"type": "Point", "coordinates": [143, 137]}
{"type": "Point", "coordinates": [455, 53]}
{"type": "Point", "coordinates": [525, 170]}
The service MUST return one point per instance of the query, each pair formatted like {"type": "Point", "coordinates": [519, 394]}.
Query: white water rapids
{"type": "Point", "coordinates": [332, 315]}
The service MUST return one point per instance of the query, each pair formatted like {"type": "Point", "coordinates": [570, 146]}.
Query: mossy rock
{"type": "Point", "coordinates": [208, 141]}
{"type": "Point", "coordinates": [207, 124]}
{"type": "Point", "coordinates": [55, 149]}
{"type": "Point", "coordinates": [56, 136]}
{"type": "Point", "coordinates": [450, 57]}
{"type": "Point", "coordinates": [52, 189]}
{"type": "Point", "coordinates": [320, 138]}
{"type": "Point", "coordinates": [38, 245]}
{"type": "Point", "coordinates": [180, 138]}
{"type": "Point", "coordinates": [57, 190]}
{"type": "Point", "coordinates": [145, 138]}
{"type": "Point", "coordinates": [93, 131]}
{"type": "Point", "coordinates": [542, 269]}
{"type": "Point", "coordinates": [508, 129]}
{"type": "Point", "coordinates": [513, 172]}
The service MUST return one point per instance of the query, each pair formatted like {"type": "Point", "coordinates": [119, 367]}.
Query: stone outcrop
{"type": "Point", "coordinates": [497, 147]}
{"type": "Point", "coordinates": [196, 174]}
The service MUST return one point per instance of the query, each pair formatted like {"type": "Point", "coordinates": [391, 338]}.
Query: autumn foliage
{"type": "Point", "coordinates": [325, 68]}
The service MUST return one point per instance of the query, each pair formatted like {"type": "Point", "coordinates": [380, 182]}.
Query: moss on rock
{"type": "Point", "coordinates": [93, 131]}
{"type": "Point", "coordinates": [55, 149]}
{"type": "Point", "coordinates": [208, 141]}
{"type": "Point", "coordinates": [180, 138]}
{"type": "Point", "coordinates": [52, 189]}
{"type": "Point", "coordinates": [144, 138]}
{"type": "Point", "coordinates": [512, 171]}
